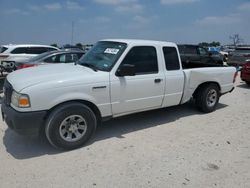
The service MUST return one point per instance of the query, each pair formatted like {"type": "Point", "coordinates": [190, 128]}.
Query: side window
{"type": "Point", "coordinates": [74, 58]}
{"type": "Point", "coordinates": [202, 51]}
{"type": "Point", "coordinates": [79, 55]}
{"type": "Point", "coordinates": [70, 58]}
{"type": "Point", "coordinates": [62, 58]}
{"type": "Point", "coordinates": [50, 49]}
{"type": "Point", "coordinates": [190, 50]}
{"type": "Point", "coordinates": [52, 59]}
{"type": "Point", "coordinates": [171, 58]}
{"type": "Point", "coordinates": [36, 50]}
{"type": "Point", "coordinates": [144, 58]}
{"type": "Point", "coordinates": [21, 50]}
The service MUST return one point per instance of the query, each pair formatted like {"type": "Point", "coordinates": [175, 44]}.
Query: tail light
{"type": "Point", "coordinates": [246, 66]}
{"type": "Point", "coordinates": [22, 66]}
{"type": "Point", "coordinates": [235, 76]}
{"type": "Point", "coordinates": [247, 55]}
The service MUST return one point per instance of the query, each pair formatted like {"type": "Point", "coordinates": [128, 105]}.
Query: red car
{"type": "Point", "coordinates": [245, 73]}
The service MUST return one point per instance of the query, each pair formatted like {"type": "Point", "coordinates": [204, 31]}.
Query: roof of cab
{"type": "Point", "coordinates": [143, 42]}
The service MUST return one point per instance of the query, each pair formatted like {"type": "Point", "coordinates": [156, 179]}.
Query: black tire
{"type": "Point", "coordinates": [60, 115]}
{"type": "Point", "coordinates": [248, 83]}
{"type": "Point", "coordinates": [202, 97]}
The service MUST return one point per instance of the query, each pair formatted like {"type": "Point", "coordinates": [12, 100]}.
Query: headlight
{"type": "Point", "coordinates": [20, 100]}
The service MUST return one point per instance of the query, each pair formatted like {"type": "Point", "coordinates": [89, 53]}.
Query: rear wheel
{"type": "Point", "coordinates": [70, 126]}
{"type": "Point", "coordinates": [207, 98]}
{"type": "Point", "coordinates": [248, 83]}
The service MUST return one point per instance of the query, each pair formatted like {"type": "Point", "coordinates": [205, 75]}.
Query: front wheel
{"type": "Point", "coordinates": [70, 126]}
{"type": "Point", "coordinates": [207, 98]}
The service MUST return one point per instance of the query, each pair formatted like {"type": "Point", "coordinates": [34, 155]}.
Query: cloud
{"type": "Point", "coordinates": [103, 19]}
{"type": "Point", "coordinates": [71, 5]}
{"type": "Point", "coordinates": [53, 6]}
{"type": "Point", "coordinates": [129, 8]}
{"type": "Point", "coordinates": [142, 19]}
{"type": "Point", "coordinates": [34, 7]}
{"type": "Point", "coordinates": [219, 20]}
{"type": "Point", "coordinates": [16, 11]}
{"type": "Point", "coordinates": [173, 2]}
{"type": "Point", "coordinates": [244, 6]}
{"type": "Point", "coordinates": [139, 22]}
{"type": "Point", "coordinates": [123, 5]}
{"type": "Point", "coordinates": [115, 2]}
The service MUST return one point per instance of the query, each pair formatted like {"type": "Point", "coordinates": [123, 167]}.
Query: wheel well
{"type": "Point", "coordinates": [203, 85]}
{"type": "Point", "coordinates": [92, 106]}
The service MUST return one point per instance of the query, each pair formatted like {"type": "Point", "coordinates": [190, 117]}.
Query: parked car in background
{"type": "Point", "coordinates": [218, 51]}
{"type": "Point", "coordinates": [10, 54]}
{"type": "Point", "coordinates": [239, 57]}
{"type": "Point", "coordinates": [195, 55]}
{"type": "Point", "coordinates": [212, 49]}
{"type": "Point", "coordinates": [245, 72]}
{"type": "Point", "coordinates": [62, 56]}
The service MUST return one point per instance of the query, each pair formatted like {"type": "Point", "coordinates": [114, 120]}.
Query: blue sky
{"type": "Point", "coordinates": [181, 21]}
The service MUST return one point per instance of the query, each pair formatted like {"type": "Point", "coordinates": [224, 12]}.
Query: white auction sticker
{"type": "Point", "coordinates": [111, 51]}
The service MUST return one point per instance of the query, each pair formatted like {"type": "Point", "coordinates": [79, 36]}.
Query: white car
{"type": "Point", "coordinates": [9, 54]}
{"type": "Point", "coordinates": [115, 78]}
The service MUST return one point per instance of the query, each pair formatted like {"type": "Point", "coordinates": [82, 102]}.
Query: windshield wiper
{"type": "Point", "coordinates": [93, 67]}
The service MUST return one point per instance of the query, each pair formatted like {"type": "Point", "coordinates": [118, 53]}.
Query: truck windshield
{"type": "Point", "coordinates": [103, 55]}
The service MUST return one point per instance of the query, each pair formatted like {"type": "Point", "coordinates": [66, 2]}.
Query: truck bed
{"type": "Point", "coordinates": [195, 76]}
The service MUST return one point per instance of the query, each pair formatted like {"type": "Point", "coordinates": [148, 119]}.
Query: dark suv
{"type": "Point", "coordinates": [197, 56]}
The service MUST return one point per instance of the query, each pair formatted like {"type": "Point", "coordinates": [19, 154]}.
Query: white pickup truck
{"type": "Point", "coordinates": [115, 78]}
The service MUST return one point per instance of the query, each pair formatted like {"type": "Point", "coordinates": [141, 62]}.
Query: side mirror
{"type": "Point", "coordinates": [126, 70]}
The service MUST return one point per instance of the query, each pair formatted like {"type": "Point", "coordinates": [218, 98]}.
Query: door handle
{"type": "Point", "coordinates": [158, 80]}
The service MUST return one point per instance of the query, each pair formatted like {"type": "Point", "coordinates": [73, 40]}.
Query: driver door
{"type": "Point", "coordinates": [143, 91]}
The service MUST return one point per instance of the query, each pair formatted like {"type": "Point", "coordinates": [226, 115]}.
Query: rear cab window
{"type": "Point", "coordinates": [171, 58]}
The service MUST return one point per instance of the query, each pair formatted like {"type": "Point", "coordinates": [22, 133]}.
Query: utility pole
{"type": "Point", "coordinates": [72, 33]}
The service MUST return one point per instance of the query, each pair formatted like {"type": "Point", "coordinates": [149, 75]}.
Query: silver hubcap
{"type": "Point", "coordinates": [73, 128]}
{"type": "Point", "coordinates": [211, 97]}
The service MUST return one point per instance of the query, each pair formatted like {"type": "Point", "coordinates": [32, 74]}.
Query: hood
{"type": "Point", "coordinates": [60, 74]}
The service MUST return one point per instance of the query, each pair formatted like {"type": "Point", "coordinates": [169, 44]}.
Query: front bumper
{"type": "Point", "coordinates": [25, 123]}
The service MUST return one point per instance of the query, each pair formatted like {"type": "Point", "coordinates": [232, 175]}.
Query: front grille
{"type": "Point", "coordinates": [7, 92]}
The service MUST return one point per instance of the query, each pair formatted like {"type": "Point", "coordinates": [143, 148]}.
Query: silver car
{"type": "Point", "coordinates": [240, 56]}
{"type": "Point", "coordinates": [62, 56]}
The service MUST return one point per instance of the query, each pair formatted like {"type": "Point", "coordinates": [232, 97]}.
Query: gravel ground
{"type": "Point", "coordinates": [173, 147]}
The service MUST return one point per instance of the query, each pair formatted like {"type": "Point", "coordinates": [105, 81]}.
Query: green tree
{"type": "Point", "coordinates": [54, 44]}
{"type": "Point", "coordinates": [206, 44]}
{"type": "Point", "coordinates": [79, 45]}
